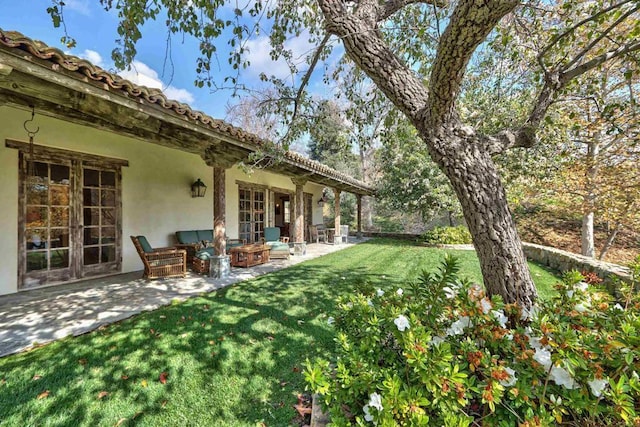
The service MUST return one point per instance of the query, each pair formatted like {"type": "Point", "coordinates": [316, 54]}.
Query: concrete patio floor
{"type": "Point", "coordinates": [43, 315]}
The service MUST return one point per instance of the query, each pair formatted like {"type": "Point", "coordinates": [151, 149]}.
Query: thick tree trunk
{"type": "Point", "coordinates": [458, 150]}
{"type": "Point", "coordinates": [476, 181]}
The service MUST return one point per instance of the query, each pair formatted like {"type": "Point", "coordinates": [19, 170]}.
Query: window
{"type": "Point", "coordinates": [287, 212]}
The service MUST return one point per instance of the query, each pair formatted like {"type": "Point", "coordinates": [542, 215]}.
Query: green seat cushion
{"type": "Point", "coordinates": [271, 234]}
{"type": "Point", "coordinates": [205, 253]}
{"type": "Point", "coordinates": [187, 237]}
{"type": "Point", "coordinates": [278, 246]}
{"type": "Point", "coordinates": [205, 235]}
{"type": "Point", "coordinates": [144, 243]}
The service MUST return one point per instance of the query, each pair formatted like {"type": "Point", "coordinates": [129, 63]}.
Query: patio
{"type": "Point", "coordinates": [43, 315]}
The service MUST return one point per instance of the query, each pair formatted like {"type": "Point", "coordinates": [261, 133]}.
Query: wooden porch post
{"type": "Point", "coordinates": [219, 264]}
{"type": "Point", "coordinates": [336, 237]}
{"type": "Point", "coordinates": [219, 211]}
{"type": "Point", "coordinates": [359, 231]}
{"type": "Point", "coordinates": [299, 247]}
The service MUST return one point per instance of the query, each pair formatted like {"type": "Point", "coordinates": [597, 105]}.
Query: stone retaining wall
{"type": "Point", "coordinates": [556, 259]}
{"type": "Point", "coordinates": [403, 236]}
{"type": "Point", "coordinates": [562, 261]}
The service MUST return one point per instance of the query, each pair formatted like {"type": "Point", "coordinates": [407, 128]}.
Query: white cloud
{"type": "Point", "coordinates": [260, 58]}
{"type": "Point", "coordinates": [141, 74]}
{"type": "Point", "coordinates": [79, 6]}
{"type": "Point", "coordinates": [92, 56]}
{"type": "Point", "coordinates": [181, 95]}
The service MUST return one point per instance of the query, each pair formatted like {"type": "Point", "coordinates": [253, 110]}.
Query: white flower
{"type": "Point", "coordinates": [500, 317]}
{"type": "Point", "coordinates": [383, 276]}
{"type": "Point", "coordinates": [562, 377]}
{"type": "Point", "coordinates": [581, 307]}
{"type": "Point", "coordinates": [485, 304]}
{"type": "Point", "coordinates": [380, 292]}
{"type": "Point", "coordinates": [375, 401]}
{"type": "Point", "coordinates": [343, 278]}
{"type": "Point", "coordinates": [367, 415]}
{"type": "Point", "coordinates": [570, 293]}
{"type": "Point", "coordinates": [436, 340]}
{"type": "Point", "coordinates": [582, 286]}
{"type": "Point", "coordinates": [450, 292]}
{"type": "Point", "coordinates": [529, 314]}
{"type": "Point", "coordinates": [369, 303]}
{"type": "Point", "coordinates": [618, 307]}
{"type": "Point", "coordinates": [402, 323]}
{"type": "Point", "coordinates": [555, 400]}
{"type": "Point", "coordinates": [331, 320]}
{"type": "Point", "coordinates": [597, 386]}
{"type": "Point", "coordinates": [512, 378]}
{"type": "Point", "coordinates": [458, 326]}
{"type": "Point", "coordinates": [543, 357]}
{"type": "Point", "coordinates": [509, 337]}
{"type": "Point", "coordinates": [400, 291]}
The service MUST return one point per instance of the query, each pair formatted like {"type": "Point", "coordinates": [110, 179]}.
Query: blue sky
{"type": "Point", "coordinates": [95, 31]}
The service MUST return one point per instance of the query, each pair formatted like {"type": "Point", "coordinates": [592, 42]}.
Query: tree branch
{"type": "Point", "coordinates": [367, 48]}
{"type": "Point", "coordinates": [571, 29]}
{"type": "Point", "coordinates": [568, 75]}
{"type": "Point", "coordinates": [392, 6]}
{"type": "Point", "coordinates": [603, 35]}
{"type": "Point", "coordinates": [307, 75]}
{"type": "Point", "coordinates": [468, 26]}
{"type": "Point", "coordinates": [554, 82]}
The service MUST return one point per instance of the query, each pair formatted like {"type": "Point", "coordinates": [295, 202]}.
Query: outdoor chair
{"type": "Point", "coordinates": [317, 232]}
{"type": "Point", "coordinates": [279, 245]}
{"type": "Point", "coordinates": [160, 262]}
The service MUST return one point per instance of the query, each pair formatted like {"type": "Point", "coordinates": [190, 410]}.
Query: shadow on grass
{"type": "Point", "coordinates": [233, 357]}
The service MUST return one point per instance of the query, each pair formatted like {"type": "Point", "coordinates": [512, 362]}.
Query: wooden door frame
{"type": "Point", "coordinates": [76, 161]}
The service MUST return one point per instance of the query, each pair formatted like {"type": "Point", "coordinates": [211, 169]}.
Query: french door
{"type": "Point", "coordinates": [251, 214]}
{"type": "Point", "coordinates": [69, 222]}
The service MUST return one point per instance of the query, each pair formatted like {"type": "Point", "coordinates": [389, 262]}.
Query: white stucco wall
{"type": "Point", "coordinates": [156, 198]}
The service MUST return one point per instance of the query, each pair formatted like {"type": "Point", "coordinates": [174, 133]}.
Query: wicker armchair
{"type": "Point", "coordinates": [160, 262]}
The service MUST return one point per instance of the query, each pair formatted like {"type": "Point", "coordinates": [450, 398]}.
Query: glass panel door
{"type": "Point", "coordinates": [258, 215]}
{"type": "Point", "coordinates": [251, 214]}
{"type": "Point", "coordinates": [47, 225]}
{"type": "Point", "coordinates": [69, 223]}
{"type": "Point", "coordinates": [99, 219]}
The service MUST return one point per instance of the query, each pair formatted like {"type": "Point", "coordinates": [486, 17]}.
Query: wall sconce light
{"type": "Point", "coordinates": [198, 188]}
{"type": "Point", "coordinates": [322, 199]}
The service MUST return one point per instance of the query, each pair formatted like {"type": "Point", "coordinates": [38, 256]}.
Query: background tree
{"type": "Point", "coordinates": [605, 143]}
{"type": "Point", "coordinates": [411, 182]}
{"type": "Point", "coordinates": [417, 54]}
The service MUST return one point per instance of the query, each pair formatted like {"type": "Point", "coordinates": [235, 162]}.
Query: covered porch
{"type": "Point", "coordinates": [89, 159]}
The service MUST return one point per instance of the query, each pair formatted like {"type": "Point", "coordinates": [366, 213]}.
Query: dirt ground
{"type": "Point", "coordinates": [544, 228]}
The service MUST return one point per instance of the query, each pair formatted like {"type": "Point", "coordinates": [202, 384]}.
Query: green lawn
{"type": "Point", "coordinates": [231, 358]}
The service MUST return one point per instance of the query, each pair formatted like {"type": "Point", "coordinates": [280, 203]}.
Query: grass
{"type": "Point", "coordinates": [231, 358]}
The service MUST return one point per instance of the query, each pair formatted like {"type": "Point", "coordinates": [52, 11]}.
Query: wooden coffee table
{"type": "Point", "coordinates": [249, 255]}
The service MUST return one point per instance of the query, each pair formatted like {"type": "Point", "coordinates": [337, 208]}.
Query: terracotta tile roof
{"type": "Point", "coordinates": [81, 68]}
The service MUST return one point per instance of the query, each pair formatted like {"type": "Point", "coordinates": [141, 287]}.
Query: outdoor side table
{"type": "Point", "coordinates": [249, 255]}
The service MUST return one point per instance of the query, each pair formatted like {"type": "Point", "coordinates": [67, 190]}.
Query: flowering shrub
{"type": "Point", "coordinates": [440, 353]}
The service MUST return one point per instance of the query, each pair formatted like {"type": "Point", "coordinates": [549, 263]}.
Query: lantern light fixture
{"type": "Point", "coordinates": [198, 188]}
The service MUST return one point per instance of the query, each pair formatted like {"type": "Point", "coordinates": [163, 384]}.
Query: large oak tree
{"type": "Point", "coordinates": [417, 53]}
